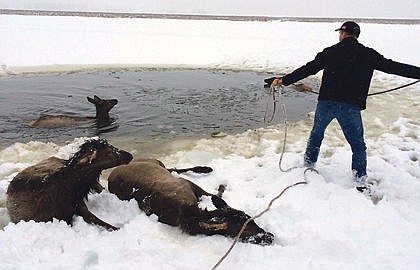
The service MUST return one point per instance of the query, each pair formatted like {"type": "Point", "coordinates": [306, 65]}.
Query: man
{"type": "Point", "coordinates": [348, 68]}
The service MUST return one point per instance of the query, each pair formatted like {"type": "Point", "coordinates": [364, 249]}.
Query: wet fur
{"type": "Point", "coordinates": [175, 201]}
{"type": "Point", "coordinates": [103, 106]}
{"type": "Point", "coordinates": [57, 188]}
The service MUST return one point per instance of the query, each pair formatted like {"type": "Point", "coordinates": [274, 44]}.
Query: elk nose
{"type": "Point", "coordinates": [265, 238]}
{"type": "Point", "coordinates": [125, 156]}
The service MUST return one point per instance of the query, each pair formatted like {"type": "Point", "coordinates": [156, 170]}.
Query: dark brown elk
{"type": "Point", "coordinates": [178, 202]}
{"type": "Point", "coordinates": [103, 106]}
{"type": "Point", "coordinates": [57, 188]}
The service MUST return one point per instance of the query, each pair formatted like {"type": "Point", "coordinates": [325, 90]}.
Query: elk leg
{"type": "Point", "coordinates": [219, 203]}
{"type": "Point", "coordinates": [90, 218]}
{"type": "Point", "coordinates": [196, 169]}
{"type": "Point", "coordinates": [97, 187]}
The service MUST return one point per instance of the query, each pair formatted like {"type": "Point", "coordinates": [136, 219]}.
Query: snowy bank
{"type": "Point", "coordinates": [72, 43]}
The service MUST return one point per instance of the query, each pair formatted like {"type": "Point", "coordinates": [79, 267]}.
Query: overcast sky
{"type": "Point", "coordinates": [406, 9]}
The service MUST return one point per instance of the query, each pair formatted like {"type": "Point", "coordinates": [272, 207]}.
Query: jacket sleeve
{"type": "Point", "coordinates": [397, 68]}
{"type": "Point", "coordinates": [310, 68]}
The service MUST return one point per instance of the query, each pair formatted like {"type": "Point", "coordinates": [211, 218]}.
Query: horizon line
{"type": "Point", "coordinates": [201, 16]}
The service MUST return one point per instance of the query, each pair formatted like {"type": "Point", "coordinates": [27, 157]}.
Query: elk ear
{"type": "Point", "coordinates": [91, 100]}
{"type": "Point", "coordinates": [213, 226]}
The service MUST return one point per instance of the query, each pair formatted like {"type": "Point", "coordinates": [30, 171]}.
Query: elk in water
{"type": "Point", "coordinates": [103, 106]}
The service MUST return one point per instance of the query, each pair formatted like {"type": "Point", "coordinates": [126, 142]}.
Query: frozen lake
{"type": "Point", "coordinates": [158, 104]}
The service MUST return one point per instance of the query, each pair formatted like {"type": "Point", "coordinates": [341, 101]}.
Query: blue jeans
{"type": "Point", "coordinates": [350, 120]}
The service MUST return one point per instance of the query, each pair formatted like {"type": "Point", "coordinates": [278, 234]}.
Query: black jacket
{"type": "Point", "coordinates": [348, 68]}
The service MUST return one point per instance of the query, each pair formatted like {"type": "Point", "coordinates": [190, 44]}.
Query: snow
{"type": "Point", "coordinates": [205, 202]}
{"type": "Point", "coordinates": [325, 224]}
{"type": "Point", "coordinates": [63, 43]}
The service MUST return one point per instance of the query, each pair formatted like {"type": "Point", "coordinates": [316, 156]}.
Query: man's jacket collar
{"type": "Point", "coordinates": [349, 40]}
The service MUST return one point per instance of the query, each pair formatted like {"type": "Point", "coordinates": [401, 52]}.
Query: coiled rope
{"type": "Point", "coordinates": [279, 91]}
{"type": "Point", "coordinates": [272, 94]}
{"type": "Point", "coordinates": [283, 106]}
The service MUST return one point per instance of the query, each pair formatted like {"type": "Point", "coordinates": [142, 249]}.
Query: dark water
{"type": "Point", "coordinates": [153, 104]}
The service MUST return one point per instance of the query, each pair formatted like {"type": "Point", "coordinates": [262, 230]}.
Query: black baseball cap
{"type": "Point", "coordinates": [350, 27]}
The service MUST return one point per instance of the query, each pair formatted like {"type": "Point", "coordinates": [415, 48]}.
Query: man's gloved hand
{"type": "Point", "coordinates": [272, 81]}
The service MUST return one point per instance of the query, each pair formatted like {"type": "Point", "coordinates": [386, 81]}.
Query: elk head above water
{"type": "Point", "coordinates": [103, 106]}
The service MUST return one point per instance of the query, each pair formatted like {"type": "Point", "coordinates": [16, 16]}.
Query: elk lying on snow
{"type": "Point", "coordinates": [56, 188]}
{"type": "Point", "coordinates": [177, 201]}
{"type": "Point", "coordinates": [103, 106]}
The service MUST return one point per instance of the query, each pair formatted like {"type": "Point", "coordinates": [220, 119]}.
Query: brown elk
{"type": "Point", "coordinates": [176, 201]}
{"type": "Point", "coordinates": [57, 188]}
{"type": "Point", "coordinates": [103, 106]}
